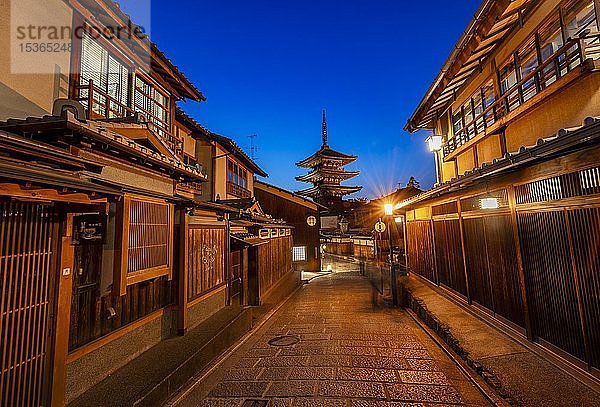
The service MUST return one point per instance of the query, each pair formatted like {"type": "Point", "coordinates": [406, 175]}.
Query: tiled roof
{"type": "Point", "coordinates": [225, 141]}
{"type": "Point", "coordinates": [560, 143]}
{"type": "Point", "coordinates": [324, 153]}
{"type": "Point", "coordinates": [193, 92]}
{"type": "Point", "coordinates": [97, 131]}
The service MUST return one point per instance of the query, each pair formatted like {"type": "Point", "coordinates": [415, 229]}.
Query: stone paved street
{"type": "Point", "coordinates": [348, 353]}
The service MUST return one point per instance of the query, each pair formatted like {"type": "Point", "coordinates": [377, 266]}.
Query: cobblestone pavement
{"type": "Point", "coordinates": [338, 350]}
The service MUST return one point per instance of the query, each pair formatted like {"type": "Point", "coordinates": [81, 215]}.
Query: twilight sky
{"type": "Point", "coordinates": [269, 67]}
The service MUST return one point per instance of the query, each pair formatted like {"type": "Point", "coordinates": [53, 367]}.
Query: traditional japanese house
{"type": "Point", "coordinates": [228, 167]}
{"type": "Point", "coordinates": [513, 225]}
{"type": "Point", "coordinates": [300, 213]}
{"type": "Point", "coordinates": [327, 174]}
{"type": "Point", "coordinates": [258, 260]}
{"type": "Point", "coordinates": [109, 243]}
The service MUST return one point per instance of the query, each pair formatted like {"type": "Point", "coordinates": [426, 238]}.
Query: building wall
{"type": "Point", "coordinates": [565, 109]}
{"type": "Point", "coordinates": [563, 104]}
{"type": "Point", "coordinates": [295, 213]}
{"type": "Point", "coordinates": [28, 94]}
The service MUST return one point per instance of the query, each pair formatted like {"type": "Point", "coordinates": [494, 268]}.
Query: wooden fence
{"type": "Point", "coordinates": [274, 261]}
{"type": "Point", "coordinates": [28, 247]}
{"type": "Point", "coordinates": [533, 263]}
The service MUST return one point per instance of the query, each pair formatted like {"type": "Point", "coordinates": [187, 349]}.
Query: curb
{"type": "Point", "coordinates": [418, 306]}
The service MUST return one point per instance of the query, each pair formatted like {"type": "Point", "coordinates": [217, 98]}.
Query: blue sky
{"type": "Point", "coordinates": [270, 67]}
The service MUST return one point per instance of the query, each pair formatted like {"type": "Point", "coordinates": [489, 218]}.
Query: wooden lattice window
{"type": "Point", "coordinates": [146, 241]}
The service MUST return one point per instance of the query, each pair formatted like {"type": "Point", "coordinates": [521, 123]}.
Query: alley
{"type": "Point", "coordinates": [329, 346]}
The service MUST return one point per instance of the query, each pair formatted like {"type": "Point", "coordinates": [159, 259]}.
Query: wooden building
{"type": "Point", "coordinates": [112, 238]}
{"type": "Point", "coordinates": [512, 228]}
{"type": "Point", "coordinates": [327, 174]}
{"type": "Point", "coordinates": [300, 213]}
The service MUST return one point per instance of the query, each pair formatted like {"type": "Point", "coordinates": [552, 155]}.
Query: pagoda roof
{"type": "Point", "coordinates": [324, 154]}
{"type": "Point", "coordinates": [328, 190]}
{"type": "Point", "coordinates": [320, 173]}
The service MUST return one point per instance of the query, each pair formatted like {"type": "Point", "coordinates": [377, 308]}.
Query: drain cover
{"type": "Point", "coordinates": [287, 340]}
{"type": "Point", "coordinates": [255, 403]}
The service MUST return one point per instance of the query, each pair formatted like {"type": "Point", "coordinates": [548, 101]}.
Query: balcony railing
{"type": "Point", "coordinates": [100, 104]}
{"type": "Point", "coordinates": [190, 187]}
{"type": "Point", "coordinates": [564, 60]}
{"type": "Point", "coordinates": [238, 191]}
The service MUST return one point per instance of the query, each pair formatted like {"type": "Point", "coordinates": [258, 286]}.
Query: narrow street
{"type": "Point", "coordinates": [330, 346]}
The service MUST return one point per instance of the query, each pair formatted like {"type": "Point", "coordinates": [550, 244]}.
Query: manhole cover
{"type": "Point", "coordinates": [287, 340]}
{"type": "Point", "coordinates": [255, 403]}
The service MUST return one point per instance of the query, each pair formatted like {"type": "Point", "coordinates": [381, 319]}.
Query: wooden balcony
{"type": "Point", "coordinates": [194, 188]}
{"type": "Point", "coordinates": [101, 105]}
{"type": "Point", "coordinates": [238, 191]}
{"type": "Point", "coordinates": [566, 59]}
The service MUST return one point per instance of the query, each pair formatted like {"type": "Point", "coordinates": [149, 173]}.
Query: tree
{"type": "Point", "coordinates": [413, 183]}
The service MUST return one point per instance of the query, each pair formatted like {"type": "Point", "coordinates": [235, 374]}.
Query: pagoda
{"type": "Point", "coordinates": [327, 174]}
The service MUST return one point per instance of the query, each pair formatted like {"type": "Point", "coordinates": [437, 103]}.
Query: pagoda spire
{"type": "Point", "coordinates": [325, 129]}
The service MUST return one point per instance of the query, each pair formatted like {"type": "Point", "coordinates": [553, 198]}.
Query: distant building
{"type": "Point", "coordinates": [327, 174]}
{"type": "Point", "coordinates": [300, 213]}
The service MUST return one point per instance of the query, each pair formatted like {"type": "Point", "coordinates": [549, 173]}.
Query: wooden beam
{"type": "Point", "coordinates": [63, 313]}
{"type": "Point", "coordinates": [182, 313]}
{"type": "Point", "coordinates": [515, 230]}
{"type": "Point", "coordinates": [45, 195]}
{"type": "Point", "coordinates": [464, 253]}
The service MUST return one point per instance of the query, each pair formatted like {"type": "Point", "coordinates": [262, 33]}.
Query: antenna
{"type": "Point", "coordinates": [253, 146]}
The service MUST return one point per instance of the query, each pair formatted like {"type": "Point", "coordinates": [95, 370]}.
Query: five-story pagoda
{"type": "Point", "coordinates": [327, 174]}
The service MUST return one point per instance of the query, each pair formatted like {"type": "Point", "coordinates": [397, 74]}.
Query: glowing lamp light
{"type": "Point", "coordinates": [389, 209]}
{"type": "Point", "coordinates": [398, 220]}
{"type": "Point", "coordinates": [434, 142]}
{"type": "Point", "coordinates": [489, 203]}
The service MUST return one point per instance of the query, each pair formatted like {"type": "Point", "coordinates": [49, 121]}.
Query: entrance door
{"type": "Point", "coordinates": [253, 278]}
{"type": "Point", "coordinates": [28, 246]}
{"type": "Point", "coordinates": [236, 278]}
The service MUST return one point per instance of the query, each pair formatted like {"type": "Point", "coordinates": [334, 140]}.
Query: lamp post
{"type": "Point", "coordinates": [344, 225]}
{"type": "Point", "coordinates": [389, 212]}
{"type": "Point", "coordinates": [435, 144]}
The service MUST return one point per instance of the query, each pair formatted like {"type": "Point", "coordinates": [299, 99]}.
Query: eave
{"type": "Point", "coordinates": [106, 137]}
{"type": "Point", "coordinates": [325, 190]}
{"type": "Point", "coordinates": [321, 173]}
{"type": "Point", "coordinates": [231, 146]}
{"type": "Point", "coordinates": [565, 141]}
{"type": "Point", "coordinates": [492, 23]}
{"type": "Point", "coordinates": [326, 155]}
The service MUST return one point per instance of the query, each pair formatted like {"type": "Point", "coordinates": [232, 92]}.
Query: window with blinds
{"type": "Point", "coordinates": [153, 104]}
{"type": "Point", "coordinates": [146, 240]}
{"type": "Point", "coordinates": [105, 80]}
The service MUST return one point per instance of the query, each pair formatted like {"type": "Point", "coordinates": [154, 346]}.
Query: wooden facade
{"type": "Point", "coordinates": [299, 213]}
{"type": "Point", "coordinates": [511, 228]}
{"type": "Point", "coordinates": [533, 266]}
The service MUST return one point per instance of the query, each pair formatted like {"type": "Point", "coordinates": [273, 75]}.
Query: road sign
{"type": "Point", "coordinates": [380, 227]}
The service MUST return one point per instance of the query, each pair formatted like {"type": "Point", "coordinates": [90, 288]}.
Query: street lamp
{"type": "Point", "coordinates": [389, 212]}
{"type": "Point", "coordinates": [388, 209]}
{"type": "Point", "coordinates": [344, 225]}
{"type": "Point", "coordinates": [435, 144]}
